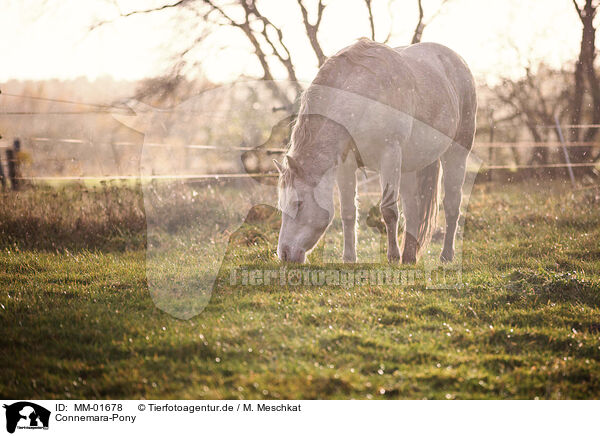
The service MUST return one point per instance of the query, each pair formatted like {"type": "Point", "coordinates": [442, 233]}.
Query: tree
{"type": "Point", "coordinates": [534, 100]}
{"type": "Point", "coordinates": [266, 38]}
{"type": "Point", "coordinates": [585, 74]}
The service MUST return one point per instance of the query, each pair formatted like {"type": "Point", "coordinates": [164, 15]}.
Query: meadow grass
{"type": "Point", "coordinates": [77, 319]}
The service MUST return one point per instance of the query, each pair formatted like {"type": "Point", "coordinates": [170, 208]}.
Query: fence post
{"type": "Point", "coordinates": [564, 149]}
{"type": "Point", "coordinates": [12, 157]}
{"type": "Point", "coordinates": [491, 148]}
{"type": "Point", "coordinates": [2, 179]}
{"type": "Point", "coordinates": [12, 174]}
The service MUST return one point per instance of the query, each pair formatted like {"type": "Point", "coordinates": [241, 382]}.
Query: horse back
{"type": "Point", "coordinates": [444, 85]}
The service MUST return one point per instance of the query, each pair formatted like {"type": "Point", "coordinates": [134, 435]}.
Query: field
{"type": "Point", "coordinates": [77, 320]}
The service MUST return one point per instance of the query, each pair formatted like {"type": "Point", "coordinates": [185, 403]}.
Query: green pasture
{"type": "Point", "coordinates": [77, 319]}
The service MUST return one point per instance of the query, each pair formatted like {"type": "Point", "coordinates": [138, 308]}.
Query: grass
{"type": "Point", "coordinates": [78, 321]}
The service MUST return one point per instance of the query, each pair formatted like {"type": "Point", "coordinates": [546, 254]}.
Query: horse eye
{"type": "Point", "coordinates": [297, 204]}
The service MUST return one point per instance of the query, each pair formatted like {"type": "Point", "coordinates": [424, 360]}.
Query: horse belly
{"type": "Point", "coordinates": [421, 143]}
{"type": "Point", "coordinates": [434, 125]}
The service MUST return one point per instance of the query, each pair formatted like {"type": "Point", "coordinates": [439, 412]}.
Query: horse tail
{"type": "Point", "coordinates": [428, 181]}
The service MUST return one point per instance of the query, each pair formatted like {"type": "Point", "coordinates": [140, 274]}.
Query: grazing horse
{"type": "Point", "coordinates": [407, 113]}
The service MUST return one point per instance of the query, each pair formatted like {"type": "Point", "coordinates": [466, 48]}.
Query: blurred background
{"type": "Point", "coordinates": [69, 66]}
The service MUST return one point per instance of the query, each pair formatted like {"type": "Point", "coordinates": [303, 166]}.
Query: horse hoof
{"type": "Point", "coordinates": [446, 257]}
{"type": "Point", "coordinates": [409, 260]}
{"type": "Point", "coordinates": [349, 259]}
{"type": "Point", "coordinates": [393, 259]}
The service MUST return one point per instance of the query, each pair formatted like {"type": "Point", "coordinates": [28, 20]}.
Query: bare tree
{"type": "Point", "coordinates": [534, 99]}
{"type": "Point", "coordinates": [585, 74]}
{"type": "Point", "coordinates": [266, 38]}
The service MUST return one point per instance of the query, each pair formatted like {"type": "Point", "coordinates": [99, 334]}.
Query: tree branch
{"type": "Point", "coordinates": [418, 33]}
{"type": "Point", "coordinates": [578, 9]}
{"type": "Point", "coordinates": [371, 21]}
{"type": "Point", "coordinates": [260, 54]}
{"type": "Point", "coordinates": [422, 23]}
{"type": "Point", "coordinates": [141, 11]}
{"type": "Point", "coordinates": [437, 12]}
{"type": "Point", "coordinates": [391, 28]}
{"type": "Point", "coordinates": [286, 58]}
{"type": "Point", "coordinates": [312, 29]}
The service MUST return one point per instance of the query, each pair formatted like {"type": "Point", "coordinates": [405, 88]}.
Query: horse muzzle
{"type": "Point", "coordinates": [287, 253]}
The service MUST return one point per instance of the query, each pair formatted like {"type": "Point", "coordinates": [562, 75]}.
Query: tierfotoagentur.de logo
{"type": "Point", "coordinates": [25, 415]}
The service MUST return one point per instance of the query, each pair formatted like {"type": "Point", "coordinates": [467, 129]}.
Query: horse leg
{"type": "Point", "coordinates": [410, 210]}
{"type": "Point", "coordinates": [390, 185]}
{"type": "Point", "coordinates": [346, 180]}
{"type": "Point", "coordinates": [454, 166]}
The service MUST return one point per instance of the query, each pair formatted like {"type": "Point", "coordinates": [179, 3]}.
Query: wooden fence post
{"type": "Point", "coordinates": [2, 179]}
{"type": "Point", "coordinates": [12, 157]}
{"type": "Point", "coordinates": [12, 174]}
{"type": "Point", "coordinates": [564, 149]}
{"type": "Point", "coordinates": [491, 149]}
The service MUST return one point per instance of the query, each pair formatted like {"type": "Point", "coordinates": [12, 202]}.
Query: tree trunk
{"type": "Point", "coordinates": [584, 71]}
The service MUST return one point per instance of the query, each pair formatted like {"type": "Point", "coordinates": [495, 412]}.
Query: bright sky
{"type": "Point", "coordinates": [42, 39]}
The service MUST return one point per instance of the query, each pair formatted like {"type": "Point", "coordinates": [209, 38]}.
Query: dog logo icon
{"type": "Point", "coordinates": [26, 415]}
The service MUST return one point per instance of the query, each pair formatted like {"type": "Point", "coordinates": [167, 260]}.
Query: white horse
{"type": "Point", "coordinates": [402, 112]}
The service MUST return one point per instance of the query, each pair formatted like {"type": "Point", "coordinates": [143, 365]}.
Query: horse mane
{"type": "Point", "coordinates": [284, 182]}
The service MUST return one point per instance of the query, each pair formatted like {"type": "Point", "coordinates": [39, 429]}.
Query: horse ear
{"type": "Point", "coordinates": [293, 165]}
{"type": "Point", "coordinates": [278, 166]}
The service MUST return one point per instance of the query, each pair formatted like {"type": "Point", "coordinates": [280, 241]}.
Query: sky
{"type": "Point", "coordinates": [43, 39]}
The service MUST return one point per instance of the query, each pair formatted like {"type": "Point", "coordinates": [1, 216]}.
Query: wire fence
{"type": "Point", "coordinates": [96, 108]}
{"type": "Point", "coordinates": [229, 176]}
{"type": "Point", "coordinates": [521, 144]}
{"type": "Point", "coordinates": [189, 177]}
